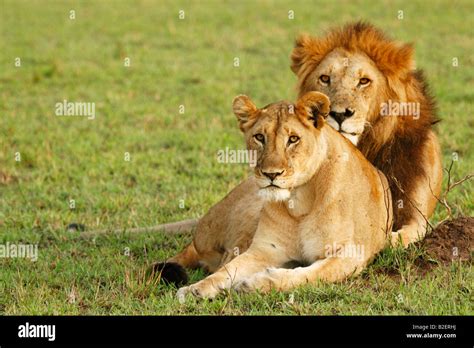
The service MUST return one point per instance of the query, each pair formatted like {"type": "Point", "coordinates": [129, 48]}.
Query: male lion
{"type": "Point", "coordinates": [309, 215]}
{"type": "Point", "coordinates": [381, 104]}
{"type": "Point", "coordinates": [364, 74]}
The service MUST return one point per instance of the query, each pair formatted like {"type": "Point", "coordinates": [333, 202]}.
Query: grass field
{"type": "Point", "coordinates": [173, 173]}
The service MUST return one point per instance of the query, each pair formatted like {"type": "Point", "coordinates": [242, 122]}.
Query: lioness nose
{"type": "Point", "coordinates": [341, 116]}
{"type": "Point", "coordinates": [272, 175]}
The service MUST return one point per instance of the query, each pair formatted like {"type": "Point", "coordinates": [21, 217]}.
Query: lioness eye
{"type": "Point", "coordinates": [293, 139]}
{"type": "Point", "coordinates": [364, 81]}
{"type": "Point", "coordinates": [259, 137]}
{"type": "Point", "coordinates": [325, 79]}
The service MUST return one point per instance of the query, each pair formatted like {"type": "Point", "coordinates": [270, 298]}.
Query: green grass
{"type": "Point", "coordinates": [173, 156]}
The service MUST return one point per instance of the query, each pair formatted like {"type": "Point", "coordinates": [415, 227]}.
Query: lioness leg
{"type": "Point", "coordinates": [187, 258]}
{"type": "Point", "coordinates": [251, 262]}
{"type": "Point", "coordinates": [332, 269]}
{"type": "Point", "coordinates": [229, 224]}
{"type": "Point", "coordinates": [225, 231]}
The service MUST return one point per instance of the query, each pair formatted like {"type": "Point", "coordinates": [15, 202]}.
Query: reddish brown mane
{"type": "Point", "coordinates": [394, 146]}
{"type": "Point", "coordinates": [391, 58]}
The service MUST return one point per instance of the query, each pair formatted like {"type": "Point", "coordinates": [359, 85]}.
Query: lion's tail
{"type": "Point", "coordinates": [173, 270]}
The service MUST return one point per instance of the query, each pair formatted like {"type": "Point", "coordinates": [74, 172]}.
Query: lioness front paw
{"type": "Point", "coordinates": [262, 281]}
{"type": "Point", "coordinates": [198, 290]}
{"type": "Point", "coordinates": [244, 286]}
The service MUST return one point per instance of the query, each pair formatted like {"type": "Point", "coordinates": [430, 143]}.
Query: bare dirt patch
{"type": "Point", "coordinates": [452, 240]}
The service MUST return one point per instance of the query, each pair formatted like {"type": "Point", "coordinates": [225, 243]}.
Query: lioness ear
{"type": "Point", "coordinates": [314, 104]}
{"type": "Point", "coordinates": [243, 107]}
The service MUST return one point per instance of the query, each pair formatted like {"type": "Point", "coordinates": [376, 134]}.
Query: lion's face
{"type": "Point", "coordinates": [353, 83]}
{"type": "Point", "coordinates": [285, 139]}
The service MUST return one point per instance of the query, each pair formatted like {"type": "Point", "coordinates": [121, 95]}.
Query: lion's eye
{"type": "Point", "coordinates": [364, 81]}
{"type": "Point", "coordinates": [293, 139]}
{"type": "Point", "coordinates": [324, 79]}
{"type": "Point", "coordinates": [259, 137]}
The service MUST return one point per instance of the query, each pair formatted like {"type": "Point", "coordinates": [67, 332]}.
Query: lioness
{"type": "Point", "coordinates": [364, 74]}
{"type": "Point", "coordinates": [326, 207]}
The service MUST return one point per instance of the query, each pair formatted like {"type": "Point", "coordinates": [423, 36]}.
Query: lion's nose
{"type": "Point", "coordinates": [272, 175]}
{"type": "Point", "coordinates": [341, 116]}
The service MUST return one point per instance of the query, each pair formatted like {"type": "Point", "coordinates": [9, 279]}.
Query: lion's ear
{"type": "Point", "coordinates": [300, 52]}
{"type": "Point", "coordinates": [314, 104]}
{"type": "Point", "coordinates": [395, 59]}
{"type": "Point", "coordinates": [243, 108]}
{"type": "Point", "coordinates": [307, 49]}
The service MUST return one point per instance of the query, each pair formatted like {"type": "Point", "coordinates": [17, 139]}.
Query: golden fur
{"type": "Point", "coordinates": [331, 230]}
{"type": "Point", "coordinates": [404, 147]}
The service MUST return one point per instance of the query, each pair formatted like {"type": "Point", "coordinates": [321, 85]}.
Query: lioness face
{"type": "Point", "coordinates": [352, 82]}
{"type": "Point", "coordinates": [285, 138]}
